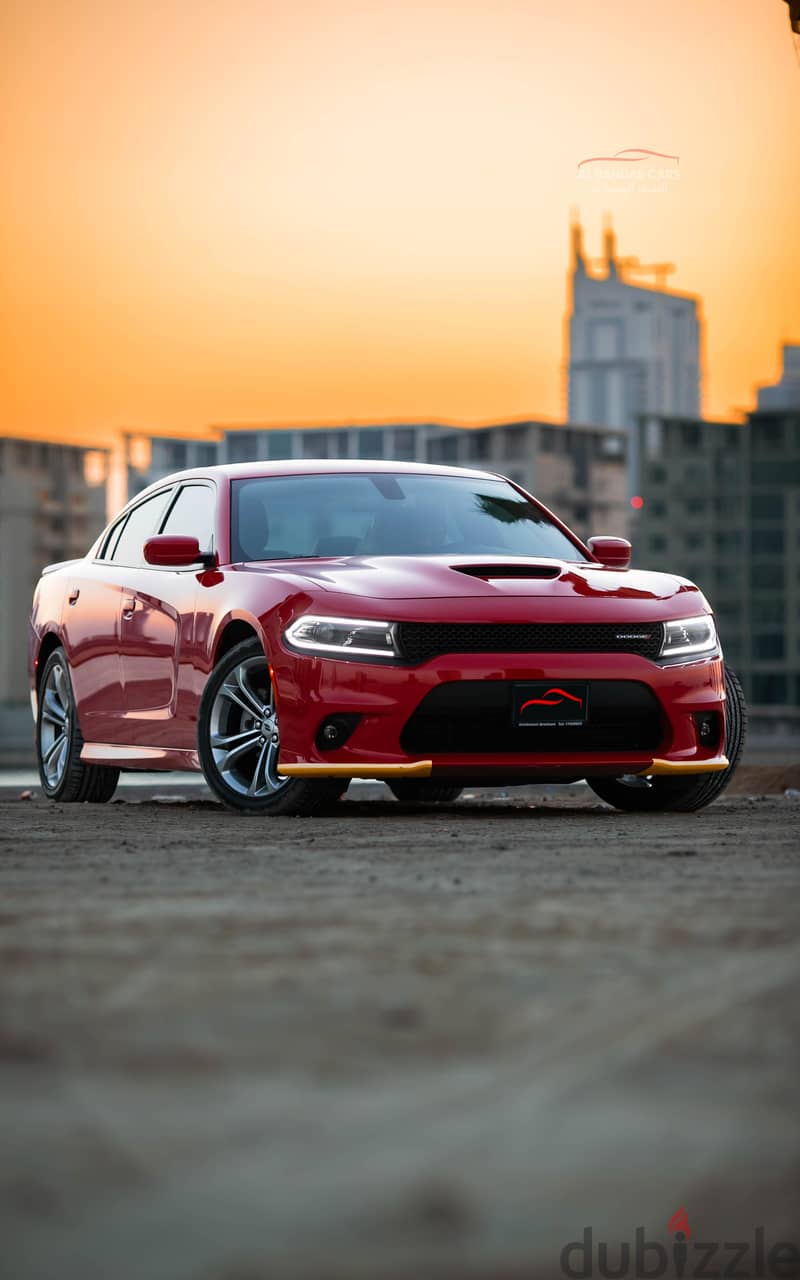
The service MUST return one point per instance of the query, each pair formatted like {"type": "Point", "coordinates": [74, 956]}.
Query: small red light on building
{"type": "Point", "coordinates": [637, 503]}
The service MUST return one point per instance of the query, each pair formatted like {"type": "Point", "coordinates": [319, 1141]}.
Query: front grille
{"type": "Point", "coordinates": [420, 641]}
{"type": "Point", "coordinates": [474, 717]}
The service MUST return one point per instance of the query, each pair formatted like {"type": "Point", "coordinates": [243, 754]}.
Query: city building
{"type": "Point", "coordinates": [52, 506]}
{"type": "Point", "coordinates": [721, 505]}
{"type": "Point", "coordinates": [784, 394]}
{"type": "Point", "coordinates": [579, 471]}
{"type": "Point", "coordinates": [633, 350]}
{"type": "Point", "coordinates": [148, 458]}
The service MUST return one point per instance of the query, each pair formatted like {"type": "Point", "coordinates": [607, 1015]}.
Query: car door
{"type": "Point", "coordinates": [157, 621]}
{"type": "Point", "coordinates": [91, 623]}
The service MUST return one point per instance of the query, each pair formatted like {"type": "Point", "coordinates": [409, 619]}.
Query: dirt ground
{"type": "Point", "coordinates": [391, 1043]}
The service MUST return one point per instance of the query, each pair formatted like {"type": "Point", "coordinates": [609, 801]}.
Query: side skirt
{"type": "Point", "coordinates": [167, 758]}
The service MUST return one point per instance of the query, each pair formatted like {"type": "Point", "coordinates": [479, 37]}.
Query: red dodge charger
{"type": "Point", "coordinates": [285, 627]}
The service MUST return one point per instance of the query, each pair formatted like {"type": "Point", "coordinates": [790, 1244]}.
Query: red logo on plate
{"type": "Point", "coordinates": [548, 701]}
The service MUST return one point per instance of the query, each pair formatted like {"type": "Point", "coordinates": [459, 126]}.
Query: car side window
{"type": "Point", "coordinates": [192, 515]}
{"type": "Point", "coordinates": [140, 524]}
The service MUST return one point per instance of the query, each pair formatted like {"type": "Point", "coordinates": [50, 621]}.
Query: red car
{"type": "Point", "coordinates": [286, 627]}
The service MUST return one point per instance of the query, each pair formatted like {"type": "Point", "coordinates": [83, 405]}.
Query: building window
{"type": "Point", "coordinates": [767, 434]}
{"type": "Point", "coordinates": [771, 611]}
{"type": "Point", "coordinates": [280, 444]}
{"type": "Point", "coordinates": [514, 442]}
{"type": "Point", "coordinates": [690, 435]}
{"type": "Point", "coordinates": [768, 541]}
{"type": "Point", "coordinates": [443, 449]}
{"type": "Point", "coordinates": [766, 576]}
{"type": "Point", "coordinates": [370, 443]}
{"type": "Point", "coordinates": [547, 440]}
{"type": "Point", "coordinates": [175, 454]}
{"type": "Point", "coordinates": [243, 447]}
{"type": "Point", "coordinates": [696, 506]}
{"type": "Point", "coordinates": [405, 444]}
{"type": "Point", "coordinates": [769, 647]}
{"type": "Point", "coordinates": [729, 540]}
{"type": "Point", "coordinates": [769, 690]}
{"type": "Point", "coordinates": [782, 472]}
{"type": "Point", "coordinates": [206, 455]}
{"type": "Point", "coordinates": [315, 444]}
{"type": "Point", "coordinates": [658, 474]}
{"type": "Point", "coordinates": [479, 446]}
{"type": "Point", "coordinates": [766, 506]}
{"type": "Point", "coordinates": [657, 542]}
{"type": "Point", "coordinates": [340, 444]}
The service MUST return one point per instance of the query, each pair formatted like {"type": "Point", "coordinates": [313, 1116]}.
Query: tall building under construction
{"type": "Point", "coordinates": [634, 349]}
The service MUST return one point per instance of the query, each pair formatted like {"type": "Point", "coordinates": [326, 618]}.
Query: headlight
{"type": "Point", "coordinates": [345, 637]}
{"type": "Point", "coordinates": [689, 636]}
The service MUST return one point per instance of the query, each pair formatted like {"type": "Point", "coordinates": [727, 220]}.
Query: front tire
{"type": "Point", "coordinates": [238, 740]}
{"type": "Point", "coordinates": [637, 794]}
{"type": "Point", "coordinates": [59, 742]}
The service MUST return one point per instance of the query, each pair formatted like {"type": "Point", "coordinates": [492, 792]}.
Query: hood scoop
{"type": "Point", "coordinates": [493, 572]}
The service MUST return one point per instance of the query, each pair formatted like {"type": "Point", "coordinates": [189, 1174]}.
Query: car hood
{"type": "Point", "coordinates": [471, 577]}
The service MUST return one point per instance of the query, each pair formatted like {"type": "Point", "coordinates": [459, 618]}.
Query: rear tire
{"type": "Point", "coordinates": [59, 742]}
{"type": "Point", "coordinates": [693, 791]}
{"type": "Point", "coordinates": [238, 740]}
{"type": "Point", "coordinates": [424, 791]}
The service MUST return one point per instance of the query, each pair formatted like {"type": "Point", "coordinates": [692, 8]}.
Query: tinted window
{"type": "Point", "coordinates": [140, 524]}
{"type": "Point", "coordinates": [277, 518]}
{"type": "Point", "coordinates": [192, 514]}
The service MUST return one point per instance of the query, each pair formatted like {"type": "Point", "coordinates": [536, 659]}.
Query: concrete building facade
{"type": "Point", "coordinates": [633, 350]}
{"type": "Point", "coordinates": [52, 506]}
{"type": "Point", "coordinates": [722, 507]}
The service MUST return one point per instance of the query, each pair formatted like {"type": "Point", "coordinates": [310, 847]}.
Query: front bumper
{"type": "Point", "coordinates": [384, 698]}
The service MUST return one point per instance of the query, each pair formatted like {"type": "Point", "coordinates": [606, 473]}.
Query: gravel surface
{"type": "Point", "coordinates": [391, 1042]}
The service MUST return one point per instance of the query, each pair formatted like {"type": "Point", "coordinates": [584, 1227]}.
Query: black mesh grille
{"type": "Point", "coordinates": [420, 641]}
{"type": "Point", "coordinates": [474, 717]}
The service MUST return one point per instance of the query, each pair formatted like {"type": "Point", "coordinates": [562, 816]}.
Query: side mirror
{"type": "Point", "coordinates": [614, 552]}
{"type": "Point", "coordinates": [174, 551]}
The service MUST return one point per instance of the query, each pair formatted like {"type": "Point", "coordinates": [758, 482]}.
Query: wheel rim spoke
{"type": "Point", "coordinates": [54, 749]}
{"type": "Point", "coordinates": [271, 765]}
{"type": "Point", "coordinates": [248, 706]}
{"type": "Point", "coordinates": [257, 707]}
{"type": "Point", "coordinates": [254, 789]}
{"type": "Point", "coordinates": [52, 710]}
{"type": "Point", "coordinates": [221, 742]}
{"type": "Point", "coordinates": [236, 753]}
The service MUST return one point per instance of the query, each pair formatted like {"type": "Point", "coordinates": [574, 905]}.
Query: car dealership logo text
{"type": "Point", "coordinates": [683, 1257]}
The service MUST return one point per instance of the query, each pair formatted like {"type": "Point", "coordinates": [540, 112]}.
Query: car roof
{"type": "Point", "coordinates": [317, 467]}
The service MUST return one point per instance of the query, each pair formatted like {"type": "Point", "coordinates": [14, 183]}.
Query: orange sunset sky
{"type": "Point", "coordinates": [339, 210]}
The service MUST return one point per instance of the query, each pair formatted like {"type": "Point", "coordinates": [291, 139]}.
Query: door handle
{"type": "Point", "coordinates": [73, 595]}
{"type": "Point", "coordinates": [128, 604]}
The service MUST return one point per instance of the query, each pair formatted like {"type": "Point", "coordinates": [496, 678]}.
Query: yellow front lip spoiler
{"type": "Point", "coordinates": [659, 768]}
{"type": "Point", "coordinates": [419, 769]}
{"type": "Point", "coordinates": [424, 768]}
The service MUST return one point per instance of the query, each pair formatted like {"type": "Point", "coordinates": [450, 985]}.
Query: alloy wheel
{"type": "Point", "coordinates": [244, 734]}
{"type": "Point", "coordinates": [55, 727]}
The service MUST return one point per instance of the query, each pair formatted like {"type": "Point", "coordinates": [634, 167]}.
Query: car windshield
{"type": "Point", "coordinates": [384, 514]}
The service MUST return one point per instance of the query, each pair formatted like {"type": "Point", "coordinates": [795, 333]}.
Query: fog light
{"type": "Point", "coordinates": [335, 730]}
{"type": "Point", "coordinates": [707, 726]}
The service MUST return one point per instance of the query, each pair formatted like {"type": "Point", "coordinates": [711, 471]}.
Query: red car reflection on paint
{"type": "Point", "coordinates": [285, 627]}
